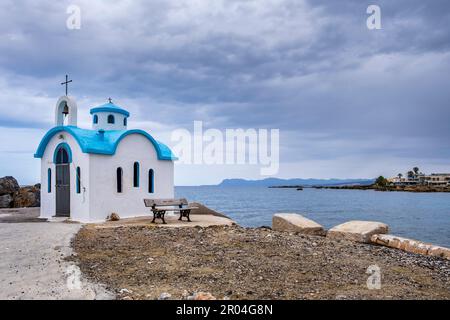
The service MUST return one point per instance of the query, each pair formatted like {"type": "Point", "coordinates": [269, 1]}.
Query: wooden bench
{"type": "Point", "coordinates": [159, 208]}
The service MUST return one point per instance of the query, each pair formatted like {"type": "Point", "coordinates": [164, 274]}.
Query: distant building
{"type": "Point", "coordinates": [437, 179]}
{"type": "Point", "coordinates": [434, 179]}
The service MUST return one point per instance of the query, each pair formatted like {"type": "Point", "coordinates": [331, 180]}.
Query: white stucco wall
{"type": "Point", "coordinates": [104, 198]}
{"type": "Point", "coordinates": [79, 202]}
{"type": "Point", "coordinates": [103, 121]}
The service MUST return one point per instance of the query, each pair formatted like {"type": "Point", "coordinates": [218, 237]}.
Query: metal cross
{"type": "Point", "coordinates": [66, 83]}
{"type": "Point", "coordinates": [110, 100]}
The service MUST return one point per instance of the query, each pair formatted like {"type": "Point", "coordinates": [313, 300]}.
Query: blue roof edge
{"type": "Point", "coordinates": [109, 109]}
{"type": "Point", "coordinates": [163, 151]}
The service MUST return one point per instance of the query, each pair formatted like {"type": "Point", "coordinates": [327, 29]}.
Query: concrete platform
{"type": "Point", "coordinates": [200, 220]}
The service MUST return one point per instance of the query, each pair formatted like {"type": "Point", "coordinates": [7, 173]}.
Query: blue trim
{"type": "Point", "coordinates": [91, 142]}
{"type": "Point", "coordinates": [49, 180]}
{"type": "Point", "coordinates": [78, 180]}
{"type": "Point", "coordinates": [110, 107]}
{"type": "Point", "coordinates": [136, 174]}
{"type": "Point", "coordinates": [95, 119]}
{"type": "Point", "coordinates": [65, 146]}
{"type": "Point", "coordinates": [151, 181]}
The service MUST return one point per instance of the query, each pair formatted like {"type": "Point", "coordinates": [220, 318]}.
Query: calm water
{"type": "Point", "coordinates": [421, 216]}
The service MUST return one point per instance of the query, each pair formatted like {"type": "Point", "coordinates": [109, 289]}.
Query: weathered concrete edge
{"type": "Point", "coordinates": [202, 209]}
{"type": "Point", "coordinates": [410, 245]}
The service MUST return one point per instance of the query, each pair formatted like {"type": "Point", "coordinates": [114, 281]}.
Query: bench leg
{"type": "Point", "coordinates": [185, 213]}
{"type": "Point", "coordinates": [159, 215]}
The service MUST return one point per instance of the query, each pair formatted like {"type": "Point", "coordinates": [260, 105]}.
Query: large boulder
{"type": "Point", "coordinates": [359, 231]}
{"type": "Point", "coordinates": [292, 222]}
{"type": "Point", "coordinates": [8, 185]}
{"type": "Point", "coordinates": [28, 197]}
{"type": "Point", "coordinates": [5, 201]}
{"type": "Point", "coordinates": [410, 245]}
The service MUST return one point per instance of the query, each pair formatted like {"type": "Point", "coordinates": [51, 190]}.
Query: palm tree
{"type": "Point", "coordinates": [410, 174]}
{"type": "Point", "coordinates": [400, 176]}
{"type": "Point", "coordinates": [416, 170]}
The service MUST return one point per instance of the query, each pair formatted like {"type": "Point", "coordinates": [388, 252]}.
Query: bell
{"type": "Point", "coordinates": [65, 109]}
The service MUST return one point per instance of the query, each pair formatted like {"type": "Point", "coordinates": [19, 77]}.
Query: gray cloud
{"type": "Point", "coordinates": [311, 68]}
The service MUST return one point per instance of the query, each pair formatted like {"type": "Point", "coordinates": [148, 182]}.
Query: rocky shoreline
{"type": "Point", "coordinates": [374, 187]}
{"type": "Point", "coordinates": [231, 262]}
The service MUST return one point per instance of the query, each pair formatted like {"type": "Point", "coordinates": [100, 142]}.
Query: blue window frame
{"type": "Point", "coordinates": [124, 121]}
{"type": "Point", "coordinates": [136, 175]}
{"type": "Point", "coordinates": [78, 180]}
{"type": "Point", "coordinates": [111, 119]}
{"type": "Point", "coordinates": [49, 180]}
{"type": "Point", "coordinates": [95, 119]}
{"type": "Point", "coordinates": [151, 181]}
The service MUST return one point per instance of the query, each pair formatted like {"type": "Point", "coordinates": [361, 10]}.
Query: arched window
{"type": "Point", "coordinates": [151, 181]}
{"type": "Point", "coordinates": [119, 180]}
{"type": "Point", "coordinates": [111, 119]}
{"type": "Point", "coordinates": [78, 180]}
{"type": "Point", "coordinates": [124, 121]}
{"type": "Point", "coordinates": [95, 119]}
{"type": "Point", "coordinates": [136, 175]}
{"type": "Point", "coordinates": [63, 154]}
{"type": "Point", "coordinates": [49, 180]}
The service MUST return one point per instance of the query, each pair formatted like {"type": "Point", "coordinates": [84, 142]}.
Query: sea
{"type": "Point", "coordinates": [420, 216]}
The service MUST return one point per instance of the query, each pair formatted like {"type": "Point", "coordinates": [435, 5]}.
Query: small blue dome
{"type": "Point", "coordinates": [110, 107]}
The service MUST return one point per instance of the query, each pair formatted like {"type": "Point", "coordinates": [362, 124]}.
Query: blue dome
{"type": "Point", "coordinates": [110, 107]}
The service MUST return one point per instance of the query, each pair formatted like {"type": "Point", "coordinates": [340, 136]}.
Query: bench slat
{"type": "Point", "coordinates": [165, 202]}
{"type": "Point", "coordinates": [175, 209]}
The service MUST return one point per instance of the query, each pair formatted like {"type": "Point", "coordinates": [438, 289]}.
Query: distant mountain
{"type": "Point", "coordinates": [269, 182]}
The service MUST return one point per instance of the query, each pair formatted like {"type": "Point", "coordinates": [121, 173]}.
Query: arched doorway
{"type": "Point", "coordinates": [62, 159]}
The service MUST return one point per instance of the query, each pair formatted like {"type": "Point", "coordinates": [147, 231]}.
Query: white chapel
{"type": "Point", "coordinates": [87, 174]}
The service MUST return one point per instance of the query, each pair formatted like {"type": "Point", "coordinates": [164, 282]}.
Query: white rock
{"type": "Point", "coordinates": [164, 296]}
{"type": "Point", "coordinates": [292, 222]}
{"type": "Point", "coordinates": [359, 231]}
{"type": "Point", "coordinates": [125, 291]}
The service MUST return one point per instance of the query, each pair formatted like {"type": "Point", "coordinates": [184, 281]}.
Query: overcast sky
{"type": "Point", "coordinates": [349, 102]}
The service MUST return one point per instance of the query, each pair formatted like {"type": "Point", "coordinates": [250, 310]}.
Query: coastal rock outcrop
{"type": "Point", "coordinates": [29, 196]}
{"type": "Point", "coordinates": [8, 185]}
{"type": "Point", "coordinates": [410, 245]}
{"type": "Point", "coordinates": [359, 231]}
{"type": "Point", "coordinates": [5, 201]}
{"type": "Point", "coordinates": [292, 222]}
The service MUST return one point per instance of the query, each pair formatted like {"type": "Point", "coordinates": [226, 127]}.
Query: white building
{"type": "Point", "coordinates": [87, 174]}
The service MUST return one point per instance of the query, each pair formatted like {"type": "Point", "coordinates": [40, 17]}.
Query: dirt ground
{"type": "Point", "coordinates": [230, 262]}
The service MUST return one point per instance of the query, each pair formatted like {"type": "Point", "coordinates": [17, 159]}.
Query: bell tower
{"type": "Point", "coordinates": [66, 107]}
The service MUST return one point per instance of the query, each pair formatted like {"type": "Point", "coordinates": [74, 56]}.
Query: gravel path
{"type": "Point", "coordinates": [239, 263]}
{"type": "Point", "coordinates": [33, 266]}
